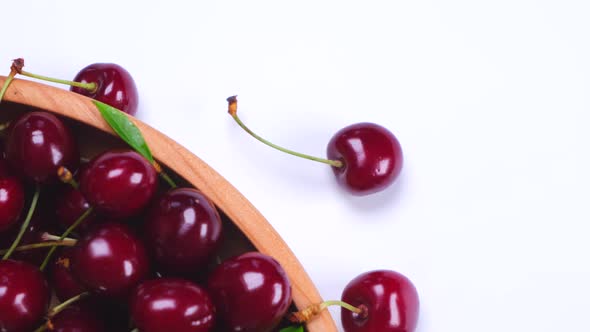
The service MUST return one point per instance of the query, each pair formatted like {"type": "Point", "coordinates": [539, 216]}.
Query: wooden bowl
{"type": "Point", "coordinates": [233, 205]}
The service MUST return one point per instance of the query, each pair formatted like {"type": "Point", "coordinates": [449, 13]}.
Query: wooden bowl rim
{"type": "Point", "coordinates": [176, 157]}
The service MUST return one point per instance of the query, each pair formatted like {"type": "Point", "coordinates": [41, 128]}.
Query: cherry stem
{"type": "Point", "coordinates": [342, 304]}
{"type": "Point", "coordinates": [88, 86]}
{"type": "Point", "coordinates": [25, 224]}
{"type": "Point", "coordinates": [50, 237]}
{"type": "Point", "coordinates": [66, 176]}
{"type": "Point", "coordinates": [233, 111]}
{"type": "Point", "coordinates": [167, 178]}
{"type": "Point", "coordinates": [26, 247]}
{"type": "Point", "coordinates": [307, 314]}
{"type": "Point", "coordinates": [164, 175]}
{"type": "Point", "coordinates": [65, 234]}
{"type": "Point", "coordinates": [7, 82]}
{"type": "Point", "coordinates": [59, 308]}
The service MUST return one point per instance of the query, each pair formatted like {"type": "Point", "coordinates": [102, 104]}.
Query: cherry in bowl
{"type": "Point", "coordinates": [169, 304]}
{"type": "Point", "coordinates": [251, 293]}
{"type": "Point", "coordinates": [182, 231]}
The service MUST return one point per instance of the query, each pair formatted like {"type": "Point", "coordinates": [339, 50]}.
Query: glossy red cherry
{"type": "Point", "coordinates": [251, 293]}
{"type": "Point", "coordinates": [182, 231]}
{"type": "Point", "coordinates": [39, 143]}
{"type": "Point", "coordinates": [366, 158]}
{"type": "Point", "coordinates": [115, 86]}
{"type": "Point", "coordinates": [77, 318]}
{"type": "Point", "coordinates": [24, 296]}
{"type": "Point", "coordinates": [371, 155]}
{"type": "Point", "coordinates": [64, 283]}
{"type": "Point", "coordinates": [110, 260]}
{"type": "Point", "coordinates": [163, 305]}
{"type": "Point", "coordinates": [390, 303]}
{"type": "Point", "coordinates": [12, 201]}
{"type": "Point", "coordinates": [119, 183]}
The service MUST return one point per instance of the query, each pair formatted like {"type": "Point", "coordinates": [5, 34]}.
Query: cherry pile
{"type": "Point", "coordinates": [102, 244]}
{"type": "Point", "coordinates": [141, 247]}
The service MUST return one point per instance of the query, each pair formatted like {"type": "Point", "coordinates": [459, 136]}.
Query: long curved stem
{"type": "Point", "coordinates": [233, 111]}
{"type": "Point", "coordinates": [65, 234]}
{"type": "Point", "coordinates": [25, 224]}
{"type": "Point", "coordinates": [88, 86]}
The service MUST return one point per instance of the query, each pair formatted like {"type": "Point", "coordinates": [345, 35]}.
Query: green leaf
{"type": "Point", "coordinates": [298, 328]}
{"type": "Point", "coordinates": [126, 129]}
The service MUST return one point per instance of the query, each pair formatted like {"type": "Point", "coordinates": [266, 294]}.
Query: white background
{"type": "Point", "coordinates": [489, 99]}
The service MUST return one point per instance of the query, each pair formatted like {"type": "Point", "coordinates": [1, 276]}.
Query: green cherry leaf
{"type": "Point", "coordinates": [292, 329]}
{"type": "Point", "coordinates": [126, 129]}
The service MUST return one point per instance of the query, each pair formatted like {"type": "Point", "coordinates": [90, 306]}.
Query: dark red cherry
{"type": "Point", "coordinates": [110, 260]}
{"type": "Point", "coordinates": [182, 231]}
{"type": "Point", "coordinates": [390, 303]}
{"type": "Point", "coordinates": [164, 305]}
{"type": "Point", "coordinates": [251, 293]}
{"type": "Point", "coordinates": [64, 283]}
{"type": "Point", "coordinates": [12, 201]}
{"type": "Point", "coordinates": [39, 143]}
{"type": "Point", "coordinates": [24, 296]}
{"type": "Point", "coordinates": [70, 205]}
{"type": "Point", "coordinates": [77, 318]}
{"type": "Point", "coordinates": [372, 158]}
{"type": "Point", "coordinates": [119, 183]}
{"type": "Point", "coordinates": [115, 86]}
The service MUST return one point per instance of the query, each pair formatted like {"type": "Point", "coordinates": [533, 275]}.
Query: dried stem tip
{"type": "Point", "coordinates": [64, 174]}
{"type": "Point", "coordinates": [305, 315]}
{"type": "Point", "coordinates": [232, 105]}
{"type": "Point", "coordinates": [17, 65]}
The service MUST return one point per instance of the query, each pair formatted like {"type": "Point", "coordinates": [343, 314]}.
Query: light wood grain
{"type": "Point", "coordinates": [227, 198]}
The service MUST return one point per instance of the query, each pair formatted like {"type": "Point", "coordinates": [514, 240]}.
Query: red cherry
{"type": "Point", "coordinates": [182, 231]}
{"type": "Point", "coordinates": [38, 144]}
{"type": "Point", "coordinates": [251, 293]}
{"type": "Point", "coordinates": [12, 201]}
{"type": "Point", "coordinates": [24, 296]}
{"type": "Point", "coordinates": [366, 158]}
{"type": "Point", "coordinates": [114, 86]}
{"type": "Point", "coordinates": [389, 301]}
{"type": "Point", "coordinates": [177, 305]}
{"type": "Point", "coordinates": [110, 260]}
{"type": "Point", "coordinates": [119, 183]}
{"type": "Point", "coordinates": [371, 155]}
